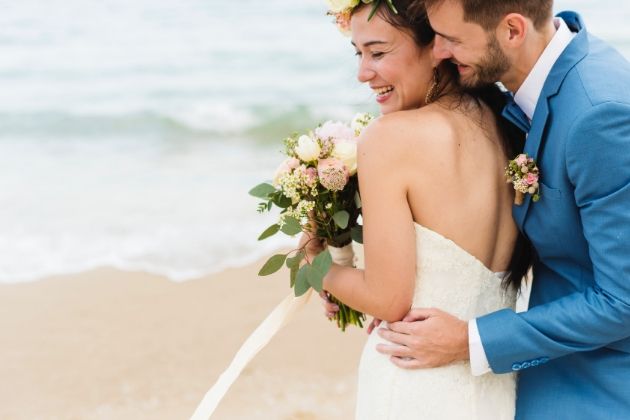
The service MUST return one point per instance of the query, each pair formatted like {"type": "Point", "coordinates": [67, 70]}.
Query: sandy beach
{"type": "Point", "coordinates": [108, 344]}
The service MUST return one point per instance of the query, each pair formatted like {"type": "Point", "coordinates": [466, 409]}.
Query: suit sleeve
{"type": "Point", "coordinates": [598, 166]}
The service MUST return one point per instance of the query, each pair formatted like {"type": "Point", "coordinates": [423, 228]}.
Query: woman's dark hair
{"type": "Point", "coordinates": [513, 142]}
{"type": "Point", "coordinates": [412, 18]}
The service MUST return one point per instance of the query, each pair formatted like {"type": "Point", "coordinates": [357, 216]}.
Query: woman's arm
{"type": "Point", "coordinates": [385, 287]}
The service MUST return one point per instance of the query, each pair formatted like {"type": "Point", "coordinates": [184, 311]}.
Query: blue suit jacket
{"type": "Point", "coordinates": [572, 348]}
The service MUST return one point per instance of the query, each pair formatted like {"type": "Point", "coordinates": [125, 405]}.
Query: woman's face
{"type": "Point", "coordinates": [398, 71]}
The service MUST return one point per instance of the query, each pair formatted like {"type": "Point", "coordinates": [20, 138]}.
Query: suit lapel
{"type": "Point", "coordinates": [574, 52]}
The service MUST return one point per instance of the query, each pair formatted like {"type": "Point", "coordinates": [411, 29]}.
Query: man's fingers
{"type": "Point", "coordinates": [394, 337]}
{"type": "Point", "coordinates": [394, 350]}
{"type": "Point", "coordinates": [406, 363]}
{"type": "Point", "coordinates": [402, 327]}
{"type": "Point", "coordinates": [419, 314]}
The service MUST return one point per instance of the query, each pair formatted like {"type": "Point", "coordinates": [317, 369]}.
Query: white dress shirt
{"type": "Point", "coordinates": [526, 97]}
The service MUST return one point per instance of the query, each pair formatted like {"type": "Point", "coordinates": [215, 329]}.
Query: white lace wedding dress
{"type": "Point", "coordinates": [449, 278]}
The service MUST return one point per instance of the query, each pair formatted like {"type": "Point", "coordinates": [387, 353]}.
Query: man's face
{"type": "Point", "coordinates": [477, 53]}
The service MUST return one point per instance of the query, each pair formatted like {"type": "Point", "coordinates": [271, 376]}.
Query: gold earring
{"type": "Point", "coordinates": [433, 89]}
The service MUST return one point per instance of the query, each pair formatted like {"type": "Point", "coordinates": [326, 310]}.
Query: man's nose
{"type": "Point", "coordinates": [441, 48]}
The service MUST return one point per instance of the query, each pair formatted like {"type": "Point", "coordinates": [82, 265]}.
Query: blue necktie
{"type": "Point", "coordinates": [513, 113]}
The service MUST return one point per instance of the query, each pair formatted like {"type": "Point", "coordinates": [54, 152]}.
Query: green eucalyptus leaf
{"type": "Point", "coordinates": [315, 279]}
{"type": "Point", "coordinates": [294, 262]}
{"type": "Point", "coordinates": [293, 275]}
{"type": "Point", "coordinates": [341, 219]}
{"type": "Point", "coordinates": [272, 265]}
{"type": "Point", "coordinates": [301, 281]}
{"type": "Point", "coordinates": [270, 231]}
{"type": "Point", "coordinates": [281, 200]}
{"type": "Point", "coordinates": [291, 226]}
{"type": "Point", "coordinates": [357, 234]}
{"type": "Point", "coordinates": [262, 190]}
{"type": "Point", "coordinates": [319, 268]}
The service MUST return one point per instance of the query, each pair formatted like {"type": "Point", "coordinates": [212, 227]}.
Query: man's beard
{"type": "Point", "coordinates": [490, 68]}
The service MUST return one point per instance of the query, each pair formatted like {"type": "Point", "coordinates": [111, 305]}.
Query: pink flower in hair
{"type": "Point", "coordinates": [342, 20]}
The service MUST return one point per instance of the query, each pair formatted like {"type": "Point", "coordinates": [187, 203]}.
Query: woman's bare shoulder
{"type": "Point", "coordinates": [425, 133]}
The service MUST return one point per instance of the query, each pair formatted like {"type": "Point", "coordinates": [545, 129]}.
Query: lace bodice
{"type": "Point", "coordinates": [451, 279]}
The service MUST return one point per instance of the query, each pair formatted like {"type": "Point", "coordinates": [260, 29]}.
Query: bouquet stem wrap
{"type": "Point", "coordinates": [346, 315]}
{"type": "Point", "coordinates": [342, 256]}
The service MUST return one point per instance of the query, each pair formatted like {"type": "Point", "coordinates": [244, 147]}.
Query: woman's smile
{"type": "Point", "coordinates": [383, 93]}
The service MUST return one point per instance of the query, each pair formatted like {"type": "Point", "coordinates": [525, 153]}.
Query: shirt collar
{"type": "Point", "coordinates": [528, 94]}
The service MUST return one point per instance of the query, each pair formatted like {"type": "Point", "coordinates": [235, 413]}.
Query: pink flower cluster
{"type": "Point", "coordinates": [523, 173]}
{"type": "Point", "coordinates": [531, 178]}
{"type": "Point", "coordinates": [333, 174]}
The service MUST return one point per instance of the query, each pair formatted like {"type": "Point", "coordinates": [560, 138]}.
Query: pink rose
{"type": "Point", "coordinates": [282, 170]}
{"type": "Point", "coordinates": [292, 163]}
{"type": "Point", "coordinates": [335, 131]}
{"type": "Point", "coordinates": [521, 160]}
{"type": "Point", "coordinates": [531, 178]}
{"type": "Point", "coordinates": [333, 174]}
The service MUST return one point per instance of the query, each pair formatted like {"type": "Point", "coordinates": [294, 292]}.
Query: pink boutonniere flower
{"type": "Point", "coordinates": [523, 174]}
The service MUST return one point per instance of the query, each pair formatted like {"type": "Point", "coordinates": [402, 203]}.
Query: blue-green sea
{"type": "Point", "coordinates": [131, 131]}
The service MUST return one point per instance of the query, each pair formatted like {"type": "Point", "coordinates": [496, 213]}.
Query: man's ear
{"type": "Point", "coordinates": [513, 29]}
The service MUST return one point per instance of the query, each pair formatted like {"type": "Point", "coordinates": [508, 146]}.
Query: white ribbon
{"type": "Point", "coordinates": [277, 319]}
{"type": "Point", "coordinates": [343, 256]}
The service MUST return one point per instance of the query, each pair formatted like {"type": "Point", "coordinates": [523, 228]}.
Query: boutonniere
{"type": "Point", "coordinates": [523, 174]}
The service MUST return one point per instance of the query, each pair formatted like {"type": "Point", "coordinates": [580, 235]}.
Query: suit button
{"type": "Point", "coordinates": [535, 362]}
{"type": "Point", "coordinates": [526, 365]}
{"type": "Point", "coordinates": [516, 367]}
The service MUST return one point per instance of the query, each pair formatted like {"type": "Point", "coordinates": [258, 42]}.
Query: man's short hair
{"type": "Point", "coordinates": [488, 13]}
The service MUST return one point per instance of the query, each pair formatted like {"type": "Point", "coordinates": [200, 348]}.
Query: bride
{"type": "Point", "coordinates": [438, 228]}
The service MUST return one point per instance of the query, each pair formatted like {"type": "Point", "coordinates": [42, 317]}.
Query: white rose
{"type": "Point", "coordinates": [346, 151]}
{"type": "Point", "coordinates": [307, 149]}
{"type": "Point", "coordinates": [341, 5]}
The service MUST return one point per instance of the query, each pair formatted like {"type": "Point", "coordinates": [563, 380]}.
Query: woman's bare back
{"type": "Point", "coordinates": [458, 187]}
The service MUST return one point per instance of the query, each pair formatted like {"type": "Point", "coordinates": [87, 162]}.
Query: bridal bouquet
{"type": "Point", "coordinates": [316, 189]}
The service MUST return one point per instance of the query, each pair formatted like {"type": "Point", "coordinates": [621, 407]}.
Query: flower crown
{"type": "Point", "coordinates": [341, 10]}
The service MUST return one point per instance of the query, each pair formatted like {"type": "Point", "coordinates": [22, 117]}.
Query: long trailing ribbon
{"type": "Point", "coordinates": [274, 322]}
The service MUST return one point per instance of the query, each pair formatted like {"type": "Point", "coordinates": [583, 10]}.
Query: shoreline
{"type": "Point", "coordinates": [113, 344]}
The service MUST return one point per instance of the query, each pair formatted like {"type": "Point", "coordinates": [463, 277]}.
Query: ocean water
{"type": "Point", "coordinates": [130, 132]}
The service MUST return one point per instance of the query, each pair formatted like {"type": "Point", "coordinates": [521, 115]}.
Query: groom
{"type": "Point", "coordinates": [572, 347]}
